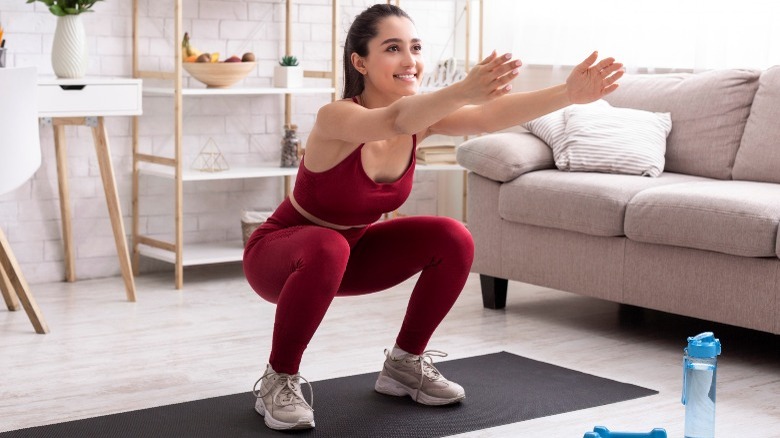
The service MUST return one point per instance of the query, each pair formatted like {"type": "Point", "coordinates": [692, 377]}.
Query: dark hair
{"type": "Point", "coordinates": [362, 30]}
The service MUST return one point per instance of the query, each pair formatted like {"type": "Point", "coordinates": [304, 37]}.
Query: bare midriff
{"type": "Point", "coordinates": [314, 219]}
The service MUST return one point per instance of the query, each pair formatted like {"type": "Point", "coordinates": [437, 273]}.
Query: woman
{"type": "Point", "coordinates": [324, 240]}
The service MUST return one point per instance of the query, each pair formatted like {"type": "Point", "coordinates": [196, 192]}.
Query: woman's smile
{"type": "Point", "coordinates": [408, 77]}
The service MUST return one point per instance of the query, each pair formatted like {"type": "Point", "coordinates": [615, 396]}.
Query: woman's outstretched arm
{"type": "Point", "coordinates": [586, 83]}
{"type": "Point", "coordinates": [345, 121]}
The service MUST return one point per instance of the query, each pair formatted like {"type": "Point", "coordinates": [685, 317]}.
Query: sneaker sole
{"type": "Point", "coordinates": [275, 424]}
{"type": "Point", "coordinates": [390, 386]}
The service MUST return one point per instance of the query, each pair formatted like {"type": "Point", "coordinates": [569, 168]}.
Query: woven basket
{"type": "Point", "coordinates": [250, 221]}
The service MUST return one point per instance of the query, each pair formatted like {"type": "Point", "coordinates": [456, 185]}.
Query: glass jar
{"type": "Point", "coordinates": [290, 147]}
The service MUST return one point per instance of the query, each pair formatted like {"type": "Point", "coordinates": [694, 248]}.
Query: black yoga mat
{"type": "Point", "coordinates": [501, 388]}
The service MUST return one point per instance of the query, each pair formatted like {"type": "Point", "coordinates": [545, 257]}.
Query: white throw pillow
{"type": "Point", "coordinates": [602, 138]}
{"type": "Point", "coordinates": [551, 127]}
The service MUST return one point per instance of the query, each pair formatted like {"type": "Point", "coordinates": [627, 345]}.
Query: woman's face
{"type": "Point", "coordinates": [394, 64]}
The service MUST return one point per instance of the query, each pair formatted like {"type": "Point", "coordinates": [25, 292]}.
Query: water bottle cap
{"type": "Point", "coordinates": [704, 345]}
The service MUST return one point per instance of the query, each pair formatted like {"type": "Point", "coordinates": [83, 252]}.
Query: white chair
{"type": "Point", "coordinates": [20, 157]}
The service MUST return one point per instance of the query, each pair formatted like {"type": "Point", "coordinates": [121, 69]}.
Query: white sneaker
{"type": "Point", "coordinates": [281, 401]}
{"type": "Point", "coordinates": [416, 377]}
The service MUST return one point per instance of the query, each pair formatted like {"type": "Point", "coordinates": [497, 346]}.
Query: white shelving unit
{"type": "Point", "coordinates": [238, 91]}
{"type": "Point", "coordinates": [172, 168]}
{"type": "Point", "coordinates": [232, 173]}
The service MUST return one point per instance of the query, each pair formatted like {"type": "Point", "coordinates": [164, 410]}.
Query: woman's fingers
{"type": "Point", "coordinates": [501, 91]}
{"type": "Point", "coordinates": [611, 68]}
{"type": "Point", "coordinates": [611, 79]}
{"type": "Point", "coordinates": [508, 68]}
{"type": "Point", "coordinates": [584, 65]}
{"type": "Point", "coordinates": [489, 58]}
{"type": "Point", "coordinates": [509, 75]}
{"type": "Point", "coordinates": [605, 62]}
{"type": "Point", "coordinates": [608, 89]}
{"type": "Point", "coordinates": [498, 61]}
{"type": "Point", "coordinates": [491, 77]}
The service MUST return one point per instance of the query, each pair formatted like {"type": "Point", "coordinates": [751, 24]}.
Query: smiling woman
{"type": "Point", "coordinates": [325, 240]}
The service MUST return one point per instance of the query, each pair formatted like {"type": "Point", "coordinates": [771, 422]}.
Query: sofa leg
{"type": "Point", "coordinates": [493, 291]}
{"type": "Point", "coordinates": [630, 316]}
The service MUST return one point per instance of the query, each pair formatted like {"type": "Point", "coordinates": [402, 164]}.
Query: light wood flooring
{"type": "Point", "coordinates": [106, 355]}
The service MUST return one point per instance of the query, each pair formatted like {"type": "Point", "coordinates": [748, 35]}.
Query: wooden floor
{"type": "Point", "coordinates": [106, 355]}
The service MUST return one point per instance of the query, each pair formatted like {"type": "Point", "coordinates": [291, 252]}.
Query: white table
{"type": "Point", "coordinates": [85, 102]}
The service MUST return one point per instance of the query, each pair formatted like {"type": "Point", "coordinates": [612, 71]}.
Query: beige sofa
{"type": "Point", "coordinates": [700, 240]}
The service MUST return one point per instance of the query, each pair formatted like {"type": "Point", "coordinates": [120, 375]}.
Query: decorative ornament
{"type": "Point", "coordinates": [210, 158]}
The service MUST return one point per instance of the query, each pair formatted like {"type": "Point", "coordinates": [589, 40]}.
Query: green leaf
{"type": "Point", "coordinates": [57, 10]}
{"type": "Point", "coordinates": [67, 7]}
{"type": "Point", "coordinates": [288, 61]}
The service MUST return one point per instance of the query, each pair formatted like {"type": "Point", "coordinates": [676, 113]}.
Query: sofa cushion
{"type": "Point", "coordinates": [602, 138]}
{"type": "Point", "coordinates": [590, 203]}
{"type": "Point", "coordinates": [709, 111]}
{"type": "Point", "coordinates": [733, 217]}
{"type": "Point", "coordinates": [758, 158]}
{"type": "Point", "coordinates": [504, 156]}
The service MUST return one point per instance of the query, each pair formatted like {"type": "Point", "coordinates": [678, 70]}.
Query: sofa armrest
{"type": "Point", "coordinates": [504, 156]}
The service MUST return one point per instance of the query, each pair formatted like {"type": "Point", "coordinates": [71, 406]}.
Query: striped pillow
{"type": "Point", "coordinates": [602, 138]}
{"type": "Point", "coordinates": [549, 127]}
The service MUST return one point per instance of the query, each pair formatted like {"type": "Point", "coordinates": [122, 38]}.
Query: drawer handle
{"type": "Point", "coordinates": [72, 87]}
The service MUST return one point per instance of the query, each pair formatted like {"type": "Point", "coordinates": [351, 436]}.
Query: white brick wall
{"type": "Point", "coordinates": [247, 129]}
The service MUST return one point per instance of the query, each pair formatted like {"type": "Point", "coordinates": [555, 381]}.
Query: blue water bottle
{"type": "Point", "coordinates": [698, 395]}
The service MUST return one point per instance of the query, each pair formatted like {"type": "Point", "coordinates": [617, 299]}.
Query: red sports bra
{"type": "Point", "coordinates": [346, 195]}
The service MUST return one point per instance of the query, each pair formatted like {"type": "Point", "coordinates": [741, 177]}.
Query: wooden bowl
{"type": "Point", "coordinates": [218, 74]}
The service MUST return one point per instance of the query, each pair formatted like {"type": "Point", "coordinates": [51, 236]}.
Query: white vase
{"type": "Point", "coordinates": [288, 77]}
{"type": "Point", "coordinates": [69, 51]}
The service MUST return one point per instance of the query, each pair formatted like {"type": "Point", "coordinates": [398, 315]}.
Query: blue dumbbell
{"type": "Point", "coordinates": [603, 432]}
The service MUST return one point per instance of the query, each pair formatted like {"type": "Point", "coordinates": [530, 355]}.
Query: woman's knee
{"type": "Point", "coordinates": [456, 237]}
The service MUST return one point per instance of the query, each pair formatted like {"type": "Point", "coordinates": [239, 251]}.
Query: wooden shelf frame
{"type": "Point", "coordinates": [173, 252]}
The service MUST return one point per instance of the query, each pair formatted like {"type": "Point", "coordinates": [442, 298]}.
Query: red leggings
{"type": "Point", "coordinates": [301, 267]}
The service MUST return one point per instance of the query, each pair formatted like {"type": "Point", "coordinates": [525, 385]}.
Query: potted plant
{"type": "Point", "coordinates": [288, 74]}
{"type": "Point", "coordinates": [69, 48]}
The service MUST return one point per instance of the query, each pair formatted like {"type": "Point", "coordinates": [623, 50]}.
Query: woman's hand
{"type": "Point", "coordinates": [589, 82]}
{"type": "Point", "coordinates": [490, 78]}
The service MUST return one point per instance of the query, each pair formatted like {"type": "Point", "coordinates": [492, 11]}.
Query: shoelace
{"type": "Point", "coordinates": [425, 366]}
{"type": "Point", "coordinates": [287, 388]}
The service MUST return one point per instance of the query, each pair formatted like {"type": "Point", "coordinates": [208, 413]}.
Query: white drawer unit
{"type": "Point", "coordinates": [86, 102]}
{"type": "Point", "coordinates": [89, 97]}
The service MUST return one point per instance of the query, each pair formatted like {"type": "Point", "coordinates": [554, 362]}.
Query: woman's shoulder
{"type": "Point", "coordinates": [350, 102]}
{"type": "Point", "coordinates": [337, 112]}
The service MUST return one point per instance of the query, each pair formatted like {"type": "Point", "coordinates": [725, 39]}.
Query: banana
{"type": "Point", "coordinates": [185, 44]}
{"type": "Point", "coordinates": [187, 48]}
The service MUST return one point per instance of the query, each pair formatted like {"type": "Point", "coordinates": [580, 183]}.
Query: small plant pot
{"type": "Point", "coordinates": [288, 77]}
